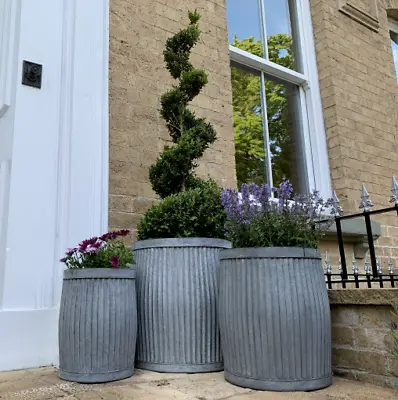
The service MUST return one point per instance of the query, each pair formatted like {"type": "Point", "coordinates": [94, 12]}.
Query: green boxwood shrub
{"type": "Point", "coordinates": [193, 213]}
{"type": "Point", "coordinates": [190, 206]}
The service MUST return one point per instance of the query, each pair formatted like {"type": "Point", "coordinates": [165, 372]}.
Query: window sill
{"type": "Point", "coordinates": [354, 232]}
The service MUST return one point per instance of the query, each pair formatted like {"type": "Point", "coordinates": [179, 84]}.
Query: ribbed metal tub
{"type": "Point", "coordinates": [177, 282]}
{"type": "Point", "coordinates": [275, 319]}
{"type": "Point", "coordinates": [97, 325]}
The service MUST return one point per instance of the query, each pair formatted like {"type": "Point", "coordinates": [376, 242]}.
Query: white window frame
{"type": "Point", "coordinates": [314, 137]}
{"type": "Point", "coordinates": [393, 27]}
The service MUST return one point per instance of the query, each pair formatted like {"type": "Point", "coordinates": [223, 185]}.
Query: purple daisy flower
{"type": "Point", "coordinates": [115, 261]}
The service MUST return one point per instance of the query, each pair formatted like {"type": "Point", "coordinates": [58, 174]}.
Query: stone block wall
{"type": "Point", "coordinates": [138, 32]}
{"type": "Point", "coordinates": [361, 335]}
{"type": "Point", "coordinates": [359, 93]}
{"type": "Point", "coordinates": [358, 88]}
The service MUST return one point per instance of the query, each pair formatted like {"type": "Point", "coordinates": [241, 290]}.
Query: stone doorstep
{"type": "Point", "coordinates": [44, 384]}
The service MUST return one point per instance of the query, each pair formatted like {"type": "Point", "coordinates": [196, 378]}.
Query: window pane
{"type": "Point", "coordinates": [279, 33]}
{"type": "Point", "coordinates": [248, 127]}
{"type": "Point", "coordinates": [285, 132]}
{"type": "Point", "coordinates": [244, 26]}
{"type": "Point", "coordinates": [394, 45]}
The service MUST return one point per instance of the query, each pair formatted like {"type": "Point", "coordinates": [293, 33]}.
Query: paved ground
{"type": "Point", "coordinates": [43, 384]}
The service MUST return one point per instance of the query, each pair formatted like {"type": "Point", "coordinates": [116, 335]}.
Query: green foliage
{"type": "Point", "coordinates": [193, 213]}
{"type": "Point", "coordinates": [173, 170]}
{"type": "Point", "coordinates": [248, 123]}
{"type": "Point", "coordinates": [191, 207]}
{"type": "Point", "coordinates": [116, 252]}
{"type": "Point", "coordinates": [106, 251]}
{"type": "Point", "coordinates": [273, 229]}
{"type": "Point", "coordinates": [256, 219]}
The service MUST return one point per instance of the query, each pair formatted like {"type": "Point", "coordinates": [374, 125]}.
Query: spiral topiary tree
{"type": "Point", "coordinates": [191, 206]}
{"type": "Point", "coordinates": [173, 171]}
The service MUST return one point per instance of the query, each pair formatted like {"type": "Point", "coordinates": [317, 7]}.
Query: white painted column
{"type": "Point", "coordinates": [59, 172]}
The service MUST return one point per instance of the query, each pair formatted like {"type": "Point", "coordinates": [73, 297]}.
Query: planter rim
{"type": "Point", "coordinates": [270, 252]}
{"type": "Point", "coordinates": [182, 242]}
{"type": "Point", "coordinates": [99, 273]}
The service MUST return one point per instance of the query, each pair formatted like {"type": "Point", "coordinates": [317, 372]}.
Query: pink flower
{"type": "Point", "coordinates": [71, 251]}
{"type": "Point", "coordinates": [115, 261]}
{"type": "Point", "coordinates": [85, 243]}
{"type": "Point", "coordinates": [92, 249]}
{"type": "Point", "coordinates": [113, 235]}
{"type": "Point", "coordinates": [123, 232]}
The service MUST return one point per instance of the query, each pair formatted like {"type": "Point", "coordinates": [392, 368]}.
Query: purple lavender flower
{"type": "Point", "coordinates": [284, 193]}
{"type": "Point", "coordinates": [263, 194]}
{"type": "Point", "coordinates": [256, 219]}
{"type": "Point", "coordinates": [63, 260]}
{"type": "Point", "coordinates": [232, 204]}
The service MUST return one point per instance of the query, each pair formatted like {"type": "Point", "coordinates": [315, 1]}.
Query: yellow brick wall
{"type": "Point", "coordinates": [138, 32]}
{"type": "Point", "coordinates": [358, 88]}
{"type": "Point", "coordinates": [359, 93]}
{"type": "Point", "coordinates": [362, 339]}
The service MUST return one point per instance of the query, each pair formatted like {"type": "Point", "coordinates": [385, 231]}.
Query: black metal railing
{"type": "Point", "coordinates": [373, 275]}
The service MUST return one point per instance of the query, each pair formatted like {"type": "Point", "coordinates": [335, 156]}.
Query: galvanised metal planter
{"type": "Point", "coordinates": [177, 284]}
{"type": "Point", "coordinates": [97, 325]}
{"type": "Point", "coordinates": [275, 319]}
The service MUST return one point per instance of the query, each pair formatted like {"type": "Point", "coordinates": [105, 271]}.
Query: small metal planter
{"type": "Point", "coordinates": [97, 325]}
{"type": "Point", "coordinates": [177, 282]}
{"type": "Point", "coordinates": [275, 319]}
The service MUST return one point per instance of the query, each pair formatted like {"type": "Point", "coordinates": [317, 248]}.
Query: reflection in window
{"type": "Point", "coordinates": [255, 20]}
{"type": "Point", "coordinates": [279, 32]}
{"type": "Point", "coordinates": [250, 149]}
{"type": "Point", "coordinates": [271, 139]}
{"type": "Point", "coordinates": [394, 45]}
{"type": "Point", "coordinates": [279, 132]}
{"type": "Point", "coordinates": [244, 22]}
{"type": "Point", "coordinates": [285, 135]}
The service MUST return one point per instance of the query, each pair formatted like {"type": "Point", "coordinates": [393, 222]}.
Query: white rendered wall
{"type": "Point", "coordinates": [53, 162]}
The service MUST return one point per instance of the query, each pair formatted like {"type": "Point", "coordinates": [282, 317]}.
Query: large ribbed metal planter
{"type": "Point", "coordinates": [97, 325]}
{"type": "Point", "coordinates": [275, 319]}
{"type": "Point", "coordinates": [177, 284]}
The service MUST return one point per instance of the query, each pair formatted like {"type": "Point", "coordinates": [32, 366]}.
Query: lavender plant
{"type": "Point", "coordinates": [256, 219]}
{"type": "Point", "coordinates": [106, 251]}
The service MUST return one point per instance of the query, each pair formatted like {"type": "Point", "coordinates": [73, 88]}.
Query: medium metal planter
{"type": "Point", "coordinates": [97, 325]}
{"type": "Point", "coordinates": [177, 283]}
{"type": "Point", "coordinates": [275, 319]}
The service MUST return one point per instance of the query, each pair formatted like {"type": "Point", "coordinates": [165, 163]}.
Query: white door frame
{"type": "Point", "coordinates": [57, 163]}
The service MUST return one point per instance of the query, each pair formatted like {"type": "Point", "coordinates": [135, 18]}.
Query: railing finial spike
{"type": "Point", "coordinates": [390, 267]}
{"type": "Point", "coordinates": [379, 266]}
{"type": "Point", "coordinates": [366, 203]}
{"type": "Point", "coordinates": [355, 268]}
{"type": "Point", "coordinates": [337, 210]}
{"type": "Point", "coordinates": [367, 265]}
{"type": "Point", "coordinates": [328, 267]}
{"type": "Point", "coordinates": [394, 191]}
